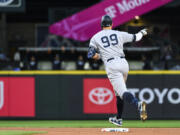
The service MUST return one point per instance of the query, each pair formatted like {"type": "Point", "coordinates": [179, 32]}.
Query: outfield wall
{"type": "Point", "coordinates": [85, 94]}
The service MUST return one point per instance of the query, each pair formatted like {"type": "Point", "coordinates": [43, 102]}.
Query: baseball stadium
{"type": "Point", "coordinates": [89, 67]}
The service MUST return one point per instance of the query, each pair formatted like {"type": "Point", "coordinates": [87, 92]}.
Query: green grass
{"type": "Point", "coordinates": [19, 132]}
{"type": "Point", "coordinates": [90, 123]}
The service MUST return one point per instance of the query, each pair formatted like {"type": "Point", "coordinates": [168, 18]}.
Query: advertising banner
{"type": "Point", "coordinates": [86, 96]}
{"type": "Point", "coordinates": [4, 96]}
{"type": "Point", "coordinates": [99, 96]}
{"type": "Point", "coordinates": [83, 25]}
{"type": "Point", "coordinates": [161, 93]}
{"type": "Point", "coordinates": [17, 96]}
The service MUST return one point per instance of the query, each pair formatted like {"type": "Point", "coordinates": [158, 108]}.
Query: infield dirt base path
{"type": "Point", "coordinates": [97, 131]}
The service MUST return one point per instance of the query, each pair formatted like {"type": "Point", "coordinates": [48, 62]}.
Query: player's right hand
{"type": "Point", "coordinates": [91, 52]}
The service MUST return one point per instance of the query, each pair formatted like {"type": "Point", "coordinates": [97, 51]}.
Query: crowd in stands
{"type": "Point", "coordinates": [166, 58]}
{"type": "Point", "coordinates": [32, 62]}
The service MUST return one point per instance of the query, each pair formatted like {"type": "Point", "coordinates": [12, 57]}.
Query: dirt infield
{"type": "Point", "coordinates": [97, 131]}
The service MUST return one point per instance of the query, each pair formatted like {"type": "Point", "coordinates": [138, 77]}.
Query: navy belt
{"type": "Point", "coordinates": [113, 58]}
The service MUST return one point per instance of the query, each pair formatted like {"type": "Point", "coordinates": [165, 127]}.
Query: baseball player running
{"type": "Point", "coordinates": [108, 46]}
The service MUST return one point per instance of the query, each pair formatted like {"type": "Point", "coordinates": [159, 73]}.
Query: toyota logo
{"type": "Point", "coordinates": [100, 96]}
{"type": "Point", "coordinates": [5, 2]}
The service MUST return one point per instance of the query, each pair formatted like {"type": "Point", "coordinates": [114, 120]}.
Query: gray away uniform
{"type": "Point", "coordinates": [109, 44]}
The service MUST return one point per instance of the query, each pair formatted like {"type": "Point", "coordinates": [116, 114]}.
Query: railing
{"type": "Point", "coordinates": [85, 49]}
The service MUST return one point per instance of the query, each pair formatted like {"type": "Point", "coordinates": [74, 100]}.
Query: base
{"type": "Point", "coordinates": [115, 129]}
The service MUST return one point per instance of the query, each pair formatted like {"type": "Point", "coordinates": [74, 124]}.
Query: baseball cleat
{"type": "Point", "coordinates": [115, 121]}
{"type": "Point", "coordinates": [143, 112]}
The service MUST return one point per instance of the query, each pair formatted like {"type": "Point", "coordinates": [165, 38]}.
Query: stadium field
{"type": "Point", "coordinates": [75, 127]}
{"type": "Point", "coordinates": [91, 124]}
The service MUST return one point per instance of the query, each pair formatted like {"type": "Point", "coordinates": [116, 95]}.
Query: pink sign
{"type": "Point", "coordinates": [83, 25]}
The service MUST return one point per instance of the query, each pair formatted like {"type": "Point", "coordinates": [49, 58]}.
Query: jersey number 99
{"type": "Point", "coordinates": [112, 40]}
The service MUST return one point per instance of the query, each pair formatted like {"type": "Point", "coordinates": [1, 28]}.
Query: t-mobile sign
{"type": "Point", "coordinates": [83, 25]}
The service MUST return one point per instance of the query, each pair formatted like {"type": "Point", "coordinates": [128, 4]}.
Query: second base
{"type": "Point", "coordinates": [115, 129]}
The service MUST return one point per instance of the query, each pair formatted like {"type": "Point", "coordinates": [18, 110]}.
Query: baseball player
{"type": "Point", "coordinates": [108, 46]}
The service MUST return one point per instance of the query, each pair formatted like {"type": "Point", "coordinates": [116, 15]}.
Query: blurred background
{"type": "Point", "coordinates": [26, 44]}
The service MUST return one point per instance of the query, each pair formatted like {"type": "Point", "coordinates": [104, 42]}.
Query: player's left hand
{"type": "Point", "coordinates": [144, 32]}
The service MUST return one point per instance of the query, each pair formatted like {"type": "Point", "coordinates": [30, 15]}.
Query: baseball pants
{"type": "Point", "coordinates": [116, 69]}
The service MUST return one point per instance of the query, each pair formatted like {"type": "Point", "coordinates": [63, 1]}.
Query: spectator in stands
{"type": "Point", "coordinates": [33, 63]}
{"type": "Point", "coordinates": [51, 41]}
{"type": "Point", "coordinates": [95, 65]}
{"type": "Point", "coordinates": [63, 49]}
{"type": "Point", "coordinates": [147, 63]}
{"type": "Point", "coordinates": [56, 63]}
{"type": "Point", "coordinates": [17, 59]}
{"type": "Point", "coordinates": [24, 64]}
{"type": "Point", "coordinates": [17, 56]}
{"type": "Point", "coordinates": [80, 63]}
{"type": "Point", "coordinates": [3, 56]}
{"type": "Point", "coordinates": [67, 42]}
{"type": "Point", "coordinates": [156, 39]}
{"type": "Point", "coordinates": [167, 54]}
{"type": "Point", "coordinates": [178, 50]}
